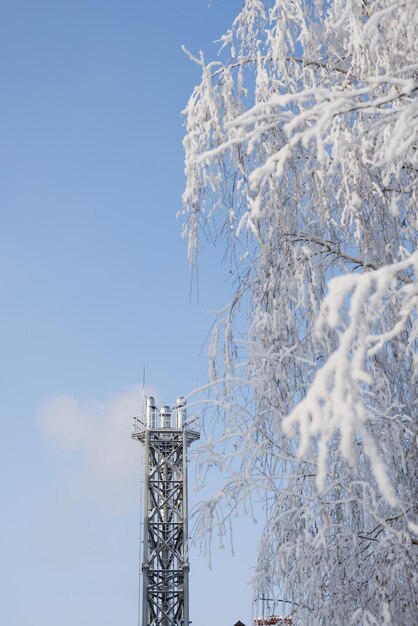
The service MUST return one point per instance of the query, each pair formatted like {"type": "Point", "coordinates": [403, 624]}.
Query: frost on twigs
{"type": "Point", "coordinates": [381, 305]}
{"type": "Point", "coordinates": [301, 160]}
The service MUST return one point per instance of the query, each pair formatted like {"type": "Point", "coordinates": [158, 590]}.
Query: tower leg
{"type": "Point", "coordinates": [185, 535]}
{"type": "Point", "coordinates": [145, 536]}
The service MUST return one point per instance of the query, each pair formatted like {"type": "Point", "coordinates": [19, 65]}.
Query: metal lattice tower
{"type": "Point", "coordinates": [166, 435]}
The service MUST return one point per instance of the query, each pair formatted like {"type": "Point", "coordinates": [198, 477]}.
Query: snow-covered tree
{"type": "Point", "coordinates": [302, 161]}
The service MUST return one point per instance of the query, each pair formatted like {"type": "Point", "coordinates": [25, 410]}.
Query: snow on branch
{"type": "Point", "coordinates": [335, 402]}
{"type": "Point", "coordinates": [301, 161]}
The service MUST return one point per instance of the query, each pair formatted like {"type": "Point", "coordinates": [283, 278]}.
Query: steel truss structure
{"type": "Point", "coordinates": [165, 564]}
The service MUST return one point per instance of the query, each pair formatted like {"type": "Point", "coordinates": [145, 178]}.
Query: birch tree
{"type": "Point", "coordinates": [301, 161]}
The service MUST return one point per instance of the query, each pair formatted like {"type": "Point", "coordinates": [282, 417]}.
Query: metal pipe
{"type": "Point", "coordinates": [151, 412]}
{"type": "Point", "coordinates": [181, 412]}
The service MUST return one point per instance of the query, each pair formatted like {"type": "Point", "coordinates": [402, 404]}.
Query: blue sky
{"type": "Point", "coordinates": [95, 285]}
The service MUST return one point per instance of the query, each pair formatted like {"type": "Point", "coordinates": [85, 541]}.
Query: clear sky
{"type": "Point", "coordinates": [95, 285]}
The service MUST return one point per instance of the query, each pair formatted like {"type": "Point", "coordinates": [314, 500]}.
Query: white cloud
{"type": "Point", "coordinates": [99, 433]}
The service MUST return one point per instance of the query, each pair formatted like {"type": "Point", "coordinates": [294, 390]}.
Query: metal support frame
{"type": "Point", "coordinates": [165, 566]}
